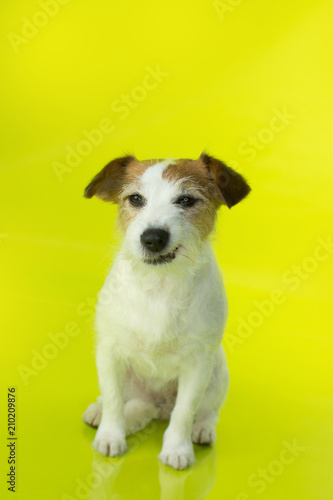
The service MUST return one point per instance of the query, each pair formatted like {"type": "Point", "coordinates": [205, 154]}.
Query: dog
{"type": "Point", "coordinates": [162, 311]}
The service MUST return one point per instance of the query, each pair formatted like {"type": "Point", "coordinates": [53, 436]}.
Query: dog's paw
{"type": "Point", "coordinates": [109, 443]}
{"type": "Point", "coordinates": [203, 433]}
{"type": "Point", "coordinates": [178, 458]}
{"type": "Point", "coordinates": [92, 415]}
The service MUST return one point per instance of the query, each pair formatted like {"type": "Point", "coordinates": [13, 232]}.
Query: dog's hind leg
{"type": "Point", "coordinates": [92, 415]}
{"type": "Point", "coordinates": [138, 414]}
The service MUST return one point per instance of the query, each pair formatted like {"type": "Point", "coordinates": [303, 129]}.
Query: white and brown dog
{"type": "Point", "coordinates": [163, 308]}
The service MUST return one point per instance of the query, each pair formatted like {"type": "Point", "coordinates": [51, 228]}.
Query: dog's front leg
{"type": "Point", "coordinates": [110, 437]}
{"type": "Point", "coordinates": [177, 450]}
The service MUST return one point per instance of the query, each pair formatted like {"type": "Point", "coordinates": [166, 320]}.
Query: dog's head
{"type": "Point", "coordinates": [167, 207]}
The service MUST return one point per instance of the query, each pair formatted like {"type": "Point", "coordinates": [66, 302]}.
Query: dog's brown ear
{"type": "Point", "coordinates": [231, 186]}
{"type": "Point", "coordinates": [108, 183]}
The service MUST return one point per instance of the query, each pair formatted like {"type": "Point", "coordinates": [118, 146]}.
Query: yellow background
{"type": "Point", "coordinates": [228, 69]}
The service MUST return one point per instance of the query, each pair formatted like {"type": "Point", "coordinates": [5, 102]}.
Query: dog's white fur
{"type": "Point", "coordinates": [159, 352]}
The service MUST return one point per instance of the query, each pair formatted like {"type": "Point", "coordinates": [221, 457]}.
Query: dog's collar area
{"type": "Point", "coordinates": [162, 259]}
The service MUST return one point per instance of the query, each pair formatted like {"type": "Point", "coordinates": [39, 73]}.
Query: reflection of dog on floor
{"type": "Point", "coordinates": [162, 310]}
{"type": "Point", "coordinates": [108, 479]}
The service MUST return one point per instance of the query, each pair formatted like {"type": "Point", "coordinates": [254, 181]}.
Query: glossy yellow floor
{"type": "Point", "coordinates": [83, 82]}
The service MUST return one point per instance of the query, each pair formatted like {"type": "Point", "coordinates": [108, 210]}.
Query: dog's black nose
{"type": "Point", "coordinates": [155, 240]}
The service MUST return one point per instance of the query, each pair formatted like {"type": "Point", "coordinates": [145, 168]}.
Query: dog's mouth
{"type": "Point", "coordinates": [163, 259]}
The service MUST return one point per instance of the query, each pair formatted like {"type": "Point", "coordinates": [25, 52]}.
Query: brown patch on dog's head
{"type": "Point", "coordinates": [136, 169]}
{"type": "Point", "coordinates": [190, 173]}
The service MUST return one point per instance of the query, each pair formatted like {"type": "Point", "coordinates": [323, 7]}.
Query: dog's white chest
{"type": "Point", "coordinates": [147, 322]}
{"type": "Point", "coordinates": [148, 305]}
{"type": "Point", "coordinates": [157, 322]}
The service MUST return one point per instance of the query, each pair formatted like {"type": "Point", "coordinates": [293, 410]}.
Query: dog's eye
{"type": "Point", "coordinates": [186, 201]}
{"type": "Point", "coordinates": [135, 200]}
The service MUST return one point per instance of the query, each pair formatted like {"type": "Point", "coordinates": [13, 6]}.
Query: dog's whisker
{"type": "Point", "coordinates": [187, 257]}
